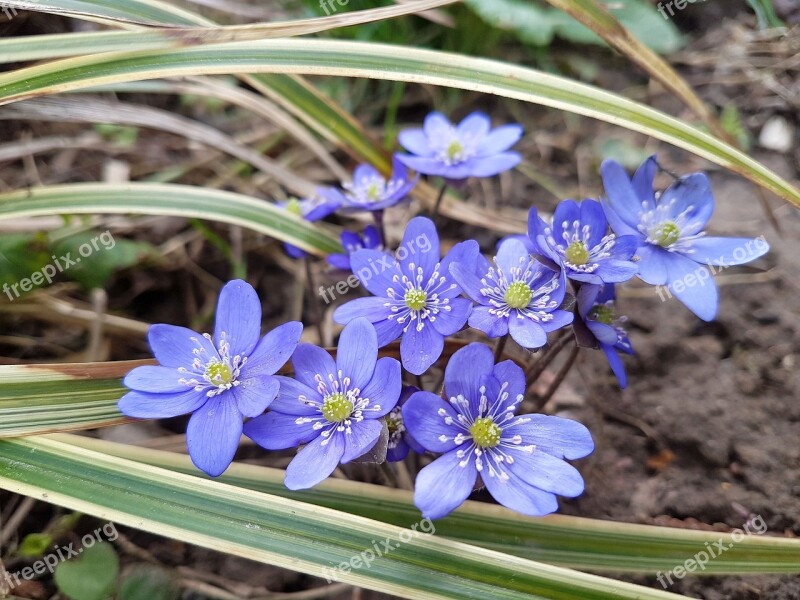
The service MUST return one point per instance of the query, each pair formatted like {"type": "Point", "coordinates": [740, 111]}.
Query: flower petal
{"type": "Point", "coordinates": [309, 361]}
{"type": "Point", "coordinates": [511, 254]}
{"type": "Point", "coordinates": [374, 269]}
{"type": "Point", "coordinates": [419, 349]}
{"type": "Point", "coordinates": [727, 252]}
{"type": "Point", "coordinates": [559, 437]}
{"type": "Point", "coordinates": [482, 319]}
{"type": "Point", "coordinates": [213, 434]}
{"type": "Point", "coordinates": [254, 394]}
{"type": "Point", "coordinates": [362, 437]}
{"type": "Point", "coordinates": [315, 462]}
{"type": "Point", "coordinates": [277, 431]}
{"type": "Point", "coordinates": [357, 352]}
{"type": "Point", "coordinates": [489, 166]}
{"type": "Point", "coordinates": [510, 372]}
{"type": "Point", "coordinates": [615, 362]}
{"type": "Point", "coordinates": [561, 318]}
{"type": "Point", "coordinates": [475, 126]}
{"type": "Point", "coordinates": [372, 308]}
{"type": "Point", "coordinates": [238, 318]}
{"type": "Point", "coordinates": [424, 416]}
{"type": "Point", "coordinates": [158, 380]}
{"type": "Point", "coordinates": [622, 206]}
{"type": "Point", "coordinates": [466, 253]}
{"type": "Point", "coordinates": [443, 485]}
{"type": "Point", "coordinates": [517, 495]}
{"type": "Point", "coordinates": [146, 405]}
{"type": "Point", "coordinates": [435, 124]}
{"type": "Point", "coordinates": [546, 472]}
{"type": "Point", "coordinates": [693, 285]}
{"type": "Point", "coordinates": [449, 322]}
{"type": "Point", "coordinates": [613, 270]}
{"type": "Point", "coordinates": [500, 139]}
{"type": "Point", "coordinates": [174, 346]}
{"type": "Point", "coordinates": [526, 333]}
{"type": "Point", "coordinates": [273, 350]}
{"type": "Point", "coordinates": [415, 141]}
{"type": "Point", "coordinates": [419, 248]}
{"type": "Point", "coordinates": [384, 388]}
{"type": "Point", "coordinates": [469, 281]}
{"type": "Point", "coordinates": [592, 215]}
{"type": "Point", "coordinates": [388, 331]}
{"type": "Point", "coordinates": [652, 263]}
{"type": "Point", "coordinates": [464, 371]}
{"type": "Point", "coordinates": [690, 195]}
{"type": "Point", "coordinates": [643, 179]}
{"type": "Point", "coordinates": [289, 396]}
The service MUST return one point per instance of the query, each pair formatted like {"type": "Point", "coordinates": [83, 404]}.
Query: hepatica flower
{"type": "Point", "coordinates": [520, 458]}
{"type": "Point", "coordinates": [314, 208]}
{"type": "Point", "coordinates": [335, 408]}
{"type": "Point", "coordinates": [470, 149]}
{"type": "Point", "coordinates": [400, 440]}
{"type": "Point", "coordinates": [579, 242]}
{"type": "Point", "coordinates": [414, 295]}
{"type": "Point", "coordinates": [516, 295]}
{"type": "Point", "coordinates": [219, 379]}
{"type": "Point", "coordinates": [598, 314]}
{"type": "Point", "coordinates": [370, 190]}
{"type": "Point", "coordinates": [673, 248]}
{"type": "Point", "coordinates": [352, 241]}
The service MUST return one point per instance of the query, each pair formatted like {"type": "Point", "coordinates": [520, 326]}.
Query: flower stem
{"type": "Point", "coordinates": [559, 379]}
{"type": "Point", "coordinates": [378, 217]}
{"type": "Point", "coordinates": [313, 300]}
{"type": "Point", "coordinates": [437, 205]}
{"type": "Point", "coordinates": [499, 347]}
{"type": "Point", "coordinates": [537, 368]}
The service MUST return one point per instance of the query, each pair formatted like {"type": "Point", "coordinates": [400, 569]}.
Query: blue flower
{"type": "Point", "coordinates": [351, 241]}
{"type": "Point", "coordinates": [370, 190]}
{"type": "Point", "coordinates": [470, 149]}
{"type": "Point", "coordinates": [673, 248]}
{"type": "Point", "coordinates": [579, 242]}
{"type": "Point", "coordinates": [335, 408]}
{"type": "Point", "coordinates": [400, 440]}
{"type": "Point", "coordinates": [517, 295]}
{"type": "Point", "coordinates": [218, 379]}
{"type": "Point", "coordinates": [598, 318]}
{"type": "Point", "coordinates": [477, 431]}
{"type": "Point", "coordinates": [414, 294]}
{"type": "Point", "coordinates": [314, 208]}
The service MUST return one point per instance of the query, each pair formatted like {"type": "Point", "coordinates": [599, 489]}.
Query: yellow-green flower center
{"type": "Point", "coordinates": [485, 433]}
{"type": "Point", "coordinates": [667, 234]}
{"type": "Point", "coordinates": [337, 408]}
{"type": "Point", "coordinates": [293, 206]}
{"type": "Point", "coordinates": [577, 253]}
{"type": "Point", "coordinates": [602, 313]}
{"type": "Point", "coordinates": [455, 150]}
{"type": "Point", "coordinates": [416, 299]}
{"type": "Point", "coordinates": [518, 294]}
{"type": "Point", "coordinates": [374, 191]}
{"type": "Point", "coordinates": [219, 373]}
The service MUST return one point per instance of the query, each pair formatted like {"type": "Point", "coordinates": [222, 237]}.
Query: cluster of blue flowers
{"type": "Point", "coordinates": [562, 274]}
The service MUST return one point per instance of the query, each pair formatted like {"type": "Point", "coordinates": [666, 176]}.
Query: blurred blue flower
{"type": "Point", "coordinates": [470, 149]}
{"type": "Point", "coordinates": [673, 248]}
{"type": "Point", "coordinates": [352, 241]}
{"type": "Point", "coordinates": [219, 379]}
{"type": "Point", "coordinates": [517, 295]}
{"type": "Point", "coordinates": [414, 294]}
{"type": "Point", "coordinates": [520, 458]}
{"type": "Point", "coordinates": [335, 408]}
{"type": "Point", "coordinates": [400, 440]}
{"type": "Point", "coordinates": [370, 190]}
{"type": "Point", "coordinates": [314, 208]}
{"type": "Point", "coordinates": [597, 313]}
{"type": "Point", "coordinates": [579, 243]}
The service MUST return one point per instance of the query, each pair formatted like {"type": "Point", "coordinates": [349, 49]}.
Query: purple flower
{"type": "Point", "coordinates": [414, 294]}
{"type": "Point", "coordinates": [517, 295]}
{"type": "Point", "coordinates": [370, 190]}
{"type": "Point", "coordinates": [519, 457]}
{"type": "Point", "coordinates": [598, 318]}
{"type": "Point", "coordinates": [351, 241]}
{"type": "Point", "coordinates": [316, 207]}
{"type": "Point", "coordinates": [335, 408]}
{"type": "Point", "coordinates": [580, 244]}
{"type": "Point", "coordinates": [673, 248]}
{"type": "Point", "coordinates": [218, 379]}
{"type": "Point", "coordinates": [400, 440]}
{"type": "Point", "coordinates": [470, 149]}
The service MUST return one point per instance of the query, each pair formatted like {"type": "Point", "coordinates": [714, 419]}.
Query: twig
{"type": "Point", "coordinates": [537, 368]}
{"type": "Point", "coordinates": [559, 379]}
